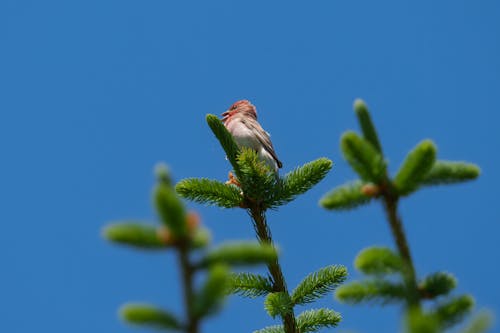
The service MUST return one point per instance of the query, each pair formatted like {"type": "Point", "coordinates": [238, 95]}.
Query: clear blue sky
{"type": "Point", "coordinates": [94, 93]}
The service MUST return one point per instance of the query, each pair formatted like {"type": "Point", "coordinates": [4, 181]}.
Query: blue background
{"type": "Point", "coordinates": [94, 93]}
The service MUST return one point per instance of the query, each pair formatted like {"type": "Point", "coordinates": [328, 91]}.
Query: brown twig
{"type": "Point", "coordinates": [390, 202]}
{"type": "Point", "coordinates": [279, 283]}
{"type": "Point", "coordinates": [187, 271]}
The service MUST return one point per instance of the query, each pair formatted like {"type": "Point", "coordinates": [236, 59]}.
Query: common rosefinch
{"type": "Point", "coordinates": [241, 121]}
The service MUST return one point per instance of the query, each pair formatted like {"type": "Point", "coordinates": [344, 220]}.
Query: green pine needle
{"type": "Point", "coordinates": [206, 191]}
{"type": "Point", "coordinates": [171, 209]}
{"type": "Point", "coordinates": [345, 196]}
{"type": "Point", "coordinates": [371, 291]}
{"type": "Point", "coordinates": [301, 180]}
{"type": "Point", "coordinates": [367, 127]}
{"type": "Point", "coordinates": [162, 173]}
{"type": "Point", "coordinates": [419, 322]}
{"type": "Point", "coordinates": [378, 261]}
{"type": "Point", "coordinates": [314, 320]}
{"type": "Point", "coordinates": [278, 303]}
{"type": "Point", "coordinates": [210, 298]}
{"type": "Point", "coordinates": [480, 323]}
{"type": "Point", "coordinates": [200, 238]}
{"type": "Point", "coordinates": [226, 140]}
{"type": "Point", "coordinates": [138, 235]}
{"type": "Point", "coordinates": [271, 329]}
{"type": "Point", "coordinates": [453, 310]}
{"type": "Point", "coordinates": [437, 284]}
{"type": "Point", "coordinates": [363, 157]}
{"type": "Point", "coordinates": [257, 181]}
{"type": "Point", "coordinates": [150, 316]}
{"type": "Point", "coordinates": [449, 172]}
{"type": "Point", "coordinates": [240, 253]}
{"type": "Point", "coordinates": [415, 167]}
{"type": "Point", "coordinates": [249, 285]}
{"type": "Point", "coordinates": [317, 284]}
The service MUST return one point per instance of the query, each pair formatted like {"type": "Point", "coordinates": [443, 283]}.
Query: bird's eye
{"type": "Point", "coordinates": [233, 107]}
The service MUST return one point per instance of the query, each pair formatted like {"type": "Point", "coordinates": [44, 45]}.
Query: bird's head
{"type": "Point", "coordinates": [242, 107]}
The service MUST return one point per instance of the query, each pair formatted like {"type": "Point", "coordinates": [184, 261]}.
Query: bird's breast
{"type": "Point", "coordinates": [243, 135]}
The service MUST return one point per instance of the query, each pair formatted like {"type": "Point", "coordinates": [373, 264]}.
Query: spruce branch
{"type": "Point", "coordinates": [209, 299]}
{"type": "Point", "coordinates": [446, 314]}
{"type": "Point", "coordinates": [279, 285]}
{"type": "Point", "coordinates": [437, 284]}
{"type": "Point", "coordinates": [344, 197]}
{"type": "Point", "coordinates": [300, 180]}
{"type": "Point", "coordinates": [420, 168]}
{"type": "Point", "coordinates": [314, 320]}
{"type": "Point", "coordinates": [147, 237]}
{"type": "Point", "coordinates": [390, 203]}
{"type": "Point", "coordinates": [419, 322]}
{"type": "Point", "coordinates": [138, 235]}
{"type": "Point", "coordinates": [368, 162]}
{"type": "Point", "coordinates": [378, 261]}
{"type": "Point", "coordinates": [150, 316]}
{"type": "Point", "coordinates": [480, 323]}
{"type": "Point", "coordinates": [249, 285]}
{"type": "Point", "coordinates": [449, 172]}
{"type": "Point", "coordinates": [453, 310]}
{"type": "Point", "coordinates": [415, 167]}
{"type": "Point", "coordinates": [371, 291]}
{"type": "Point", "coordinates": [366, 124]}
{"type": "Point", "coordinates": [240, 253]}
{"type": "Point", "coordinates": [257, 181]}
{"type": "Point", "coordinates": [187, 273]}
{"type": "Point", "coordinates": [162, 173]}
{"type": "Point", "coordinates": [271, 329]}
{"type": "Point", "coordinates": [317, 284]}
{"type": "Point", "coordinates": [207, 191]}
{"type": "Point", "coordinates": [278, 303]}
{"type": "Point", "coordinates": [363, 157]}
{"type": "Point", "coordinates": [262, 190]}
{"type": "Point", "coordinates": [226, 140]}
{"type": "Point", "coordinates": [170, 209]}
{"type": "Point", "coordinates": [200, 238]}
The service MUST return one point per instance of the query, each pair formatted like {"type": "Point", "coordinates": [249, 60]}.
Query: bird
{"type": "Point", "coordinates": [241, 121]}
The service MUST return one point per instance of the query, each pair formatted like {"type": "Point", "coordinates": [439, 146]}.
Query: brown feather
{"type": "Point", "coordinates": [263, 138]}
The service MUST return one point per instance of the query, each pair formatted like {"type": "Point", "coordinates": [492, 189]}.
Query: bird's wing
{"type": "Point", "coordinates": [263, 138]}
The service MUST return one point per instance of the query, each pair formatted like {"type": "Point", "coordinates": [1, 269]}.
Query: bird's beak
{"type": "Point", "coordinates": [225, 115]}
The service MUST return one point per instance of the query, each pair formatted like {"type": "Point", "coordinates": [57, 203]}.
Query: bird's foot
{"type": "Point", "coordinates": [232, 180]}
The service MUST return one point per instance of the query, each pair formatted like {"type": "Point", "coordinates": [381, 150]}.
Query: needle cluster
{"type": "Point", "coordinates": [390, 275]}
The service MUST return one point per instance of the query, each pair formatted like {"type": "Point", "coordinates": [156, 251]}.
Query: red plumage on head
{"type": "Point", "coordinates": [238, 103]}
{"type": "Point", "coordinates": [242, 106]}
